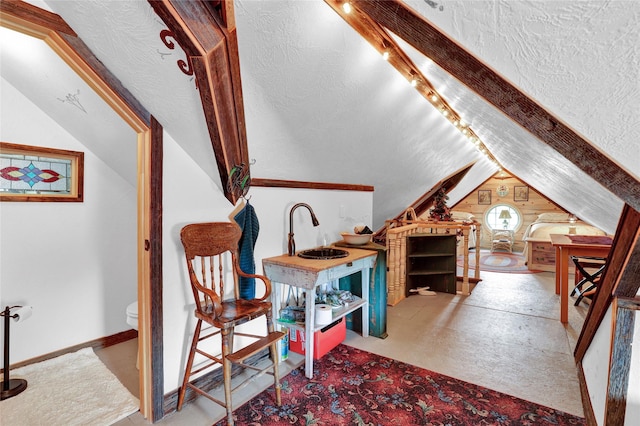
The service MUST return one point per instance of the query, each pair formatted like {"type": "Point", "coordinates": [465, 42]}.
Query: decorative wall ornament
{"type": "Point", "coordinates": [520, 193]}
{"type": "Point", "coordinates": [74, 99]}
{"type": "Point", "coordinates": [185, 66]}
{"type": "Point", "coordinates": [31, 173]}
{"type": "Point", "coordinates": [434, 5]}
{"type": "Point", "coordinates": [503, 190]}
{"type": "Point", "coordinates": [484, 197]}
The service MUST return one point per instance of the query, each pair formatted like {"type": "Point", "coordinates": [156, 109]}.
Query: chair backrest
{"type": "Point", "coordinates": [207, 247]}
{"type": "Point", "coordinates": [502, 234]}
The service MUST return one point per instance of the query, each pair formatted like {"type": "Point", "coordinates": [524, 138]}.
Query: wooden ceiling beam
{"type": "Point", "coordinates": [206, 32]}
{"type": "Point", "coordinates": [422, 204]}
{"type": "Point", "coordinates": [33, 15]}
{"type": "Point", "coordinates": [403, 21]}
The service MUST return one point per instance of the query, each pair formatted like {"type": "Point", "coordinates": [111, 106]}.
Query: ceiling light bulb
{"type": "Point", "coordinates": [445, 112]}
{"type": "Point", "coordinates": [385, 55]}
{"type": "Point", "coordinates": [414, 82]}
{"type": "Point", "coordinates": [346, 6]}
{"type": "Point", "coordinates": [434, 98]}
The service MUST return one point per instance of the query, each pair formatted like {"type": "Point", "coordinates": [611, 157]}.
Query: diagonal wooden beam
{"type": "Point", "coordinates": [620, 278]}
{"type": "Point", "coordinates": [400, 19]}
{"type": "Point", "coordinates": [206, 32]}
{"type": "Point", "coordinates": [423, 203]}
{"type": "Point", "coordinates": [33, 15]}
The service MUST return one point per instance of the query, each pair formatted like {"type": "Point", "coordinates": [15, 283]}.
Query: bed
{"type": "Point", "coordinates": [470, 219]}
{"type": "Point", "coordinates": [538, 250]}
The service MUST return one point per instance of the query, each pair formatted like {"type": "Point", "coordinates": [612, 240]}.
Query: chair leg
{"type": "Point", "coordinates": [227, 348]}
{"type": "Point", "coordinates": [276, 374]}
{"type": "Point", "coordinates": [187, 371]}
{"type": "Point", "coordinates": [578, 286]}
{"type": "Point", "coordinates": [275, 359]}
{"type": "Point", "coordinates": [584, 292]}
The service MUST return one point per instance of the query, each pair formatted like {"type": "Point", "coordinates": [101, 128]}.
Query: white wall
{"type": "Point", "coordinates": [596, 370]}
{"type": "Point", "coordinates": [596, 367]}
{"type": "Point", "coordinates": [193, 198]}
{"type": "Point", "coordinates": [75, 263]}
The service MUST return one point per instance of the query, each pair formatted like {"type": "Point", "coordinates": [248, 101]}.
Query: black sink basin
{"type": "Point", "coordinates": [323, 253]}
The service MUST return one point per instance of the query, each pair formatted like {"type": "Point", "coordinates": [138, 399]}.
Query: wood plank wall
{"type": "Point", "coordinates": [530, 209]}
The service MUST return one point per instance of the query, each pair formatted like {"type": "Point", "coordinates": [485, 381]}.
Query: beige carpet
{"type": "Point", "coordinates": [72, 389]}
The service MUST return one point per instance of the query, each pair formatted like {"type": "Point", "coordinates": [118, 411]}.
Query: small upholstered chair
{"type": "Point", "coordinates": [502, 239]}
{"type": "Point", "coordinates": [210, 249]}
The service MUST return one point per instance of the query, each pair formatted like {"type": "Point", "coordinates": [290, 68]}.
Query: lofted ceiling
{"type": "Point", "coordinates": [322, 105]}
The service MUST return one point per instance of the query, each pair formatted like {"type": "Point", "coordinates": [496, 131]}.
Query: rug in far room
{"type": "Point", "coordinates": [355, 387]}
{"type": "Point", "coordinates": [504, 262]}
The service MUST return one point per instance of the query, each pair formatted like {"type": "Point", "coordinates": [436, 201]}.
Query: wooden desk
{"type": "Point", "coordinates": [574, 245]}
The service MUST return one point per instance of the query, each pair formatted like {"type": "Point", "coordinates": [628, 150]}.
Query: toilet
{"type": "Point", "coordinates": [132, 315]}
{"type": "Point", "coordinates": [132, 320]}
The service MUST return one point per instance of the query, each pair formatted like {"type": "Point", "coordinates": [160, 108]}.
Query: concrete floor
{"type": "Point", "coordinates": [505, 336]}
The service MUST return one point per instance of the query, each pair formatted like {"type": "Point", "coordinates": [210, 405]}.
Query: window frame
{"type": "Point", "coordinates": [498, 207]}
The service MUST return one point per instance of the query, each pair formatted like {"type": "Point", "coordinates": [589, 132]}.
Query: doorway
{"type": "Point", "coordinates": [148, 135]}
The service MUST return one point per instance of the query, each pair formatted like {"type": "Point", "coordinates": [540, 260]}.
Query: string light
{"type": "Point", "coordinates": [404, 65]}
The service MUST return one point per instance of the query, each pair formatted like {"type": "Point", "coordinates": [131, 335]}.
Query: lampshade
{"type": "Point", "coordinates": [504, 214]}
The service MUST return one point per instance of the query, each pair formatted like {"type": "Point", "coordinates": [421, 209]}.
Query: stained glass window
{"type": "Point", "coordinates": [35, 172]}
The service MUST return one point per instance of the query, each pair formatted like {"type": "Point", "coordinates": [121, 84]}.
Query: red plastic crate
{"type": "Point", "coordinates": [325, 339]}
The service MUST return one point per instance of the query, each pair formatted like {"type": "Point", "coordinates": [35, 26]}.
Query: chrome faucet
{"type": "Point", "coordinates": [314, 220]}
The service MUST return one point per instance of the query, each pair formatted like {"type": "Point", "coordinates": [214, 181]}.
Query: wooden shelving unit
{"type": "Point", "coordinates": [431, 262]}
{"type": "Point", "coordinates": [397, 234]}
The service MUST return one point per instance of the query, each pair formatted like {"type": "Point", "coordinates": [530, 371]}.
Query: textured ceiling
{"type": "Point", "coordinates": [321, 105]}
{"type": "Point", "coordinates": [580, 60]}
{"type": "Point", "coordinates": [45, 79]}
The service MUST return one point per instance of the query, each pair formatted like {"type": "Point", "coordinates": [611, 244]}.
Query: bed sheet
{"type": "Point", "coordinates": [542, 230]}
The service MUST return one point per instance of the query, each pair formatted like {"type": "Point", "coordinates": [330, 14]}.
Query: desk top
{"type": "Point", "coordinates": [570, 240]}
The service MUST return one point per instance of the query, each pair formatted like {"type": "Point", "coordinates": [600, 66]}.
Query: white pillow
{"type": "Point", "coordinates": [553, 217]}
{"type": "Point", "coordinates": [462, 216]}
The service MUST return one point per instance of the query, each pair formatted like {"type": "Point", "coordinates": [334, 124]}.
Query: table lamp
{"type": "Point", "coordinates": [505, 215]}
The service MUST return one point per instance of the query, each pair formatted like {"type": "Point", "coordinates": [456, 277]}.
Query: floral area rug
{"type": "Point", "coordinates": [354, 387]}
{"type": "Point", "coordinates": [508, 263]}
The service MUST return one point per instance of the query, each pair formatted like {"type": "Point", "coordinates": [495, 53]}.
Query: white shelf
{"type": "Point", "coordinates": [337, 314]}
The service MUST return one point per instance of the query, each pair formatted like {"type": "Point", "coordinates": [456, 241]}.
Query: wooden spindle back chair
{"type": "Point", "coordinates": [211, 251]}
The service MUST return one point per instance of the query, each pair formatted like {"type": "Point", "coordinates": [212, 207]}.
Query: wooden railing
{"type": "Point", "coordinates": [396, 237]}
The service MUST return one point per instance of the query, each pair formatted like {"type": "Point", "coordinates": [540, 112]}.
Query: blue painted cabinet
{"type": "Point", "coordinates": [377, 293]}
